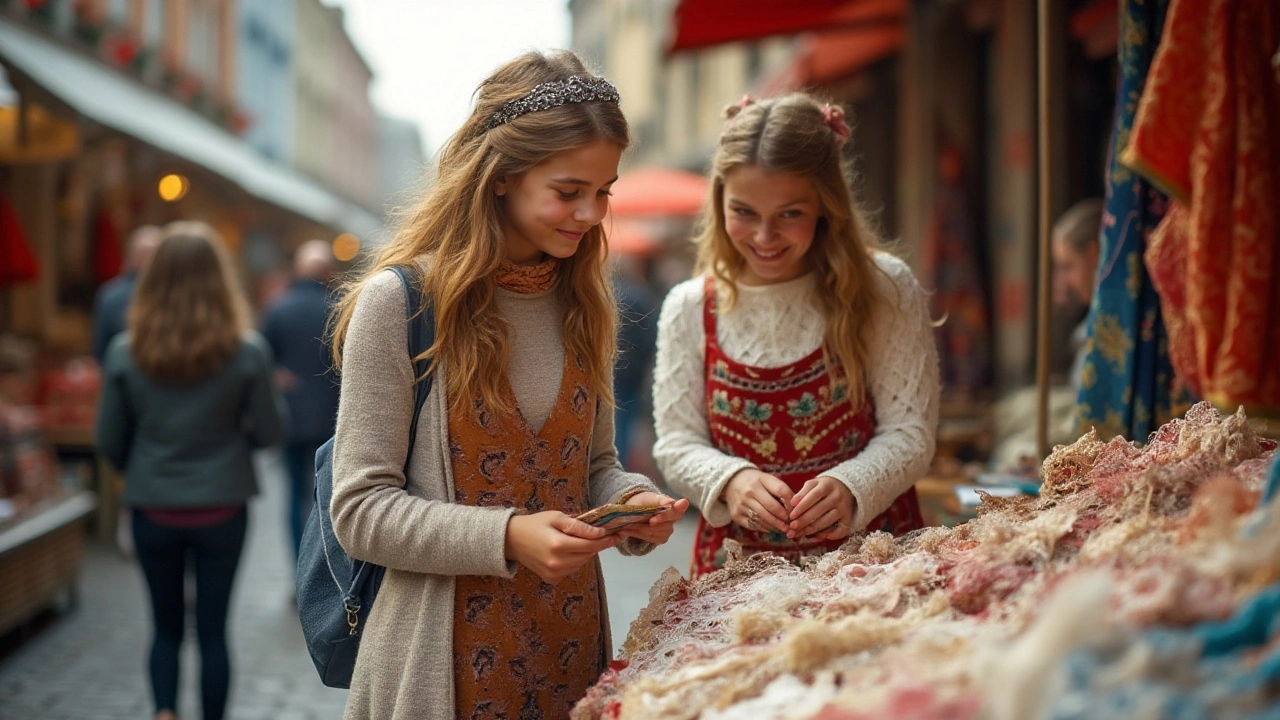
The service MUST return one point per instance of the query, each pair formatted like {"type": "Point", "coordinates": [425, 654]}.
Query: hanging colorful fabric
{"type": "Point", "coordinates": [1128, 386]}
{"type": "Point", "coordinates": [1205, 133]}
{"type": "Point", "coordinates": [952, 262]}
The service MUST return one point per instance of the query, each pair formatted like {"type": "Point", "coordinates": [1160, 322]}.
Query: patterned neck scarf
{"type": "Point", "coordinates": [529, 279]}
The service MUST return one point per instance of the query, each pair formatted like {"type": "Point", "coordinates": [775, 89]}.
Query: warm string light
{"type": "Point", "coordinates": [345, 247]}
{"type": "Point", "coordinates": [173, 187]}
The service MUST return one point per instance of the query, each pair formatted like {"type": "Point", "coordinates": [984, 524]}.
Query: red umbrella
{"type": "Point", "coordinates": [19, 264]}
{"type": "Point", "coordinates": [629, 237]}
{"type": "Point", "coordinates": [658, 191]}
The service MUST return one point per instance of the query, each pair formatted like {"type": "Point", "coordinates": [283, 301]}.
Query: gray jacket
{"type": "Point", "coordinates": [188, 445]}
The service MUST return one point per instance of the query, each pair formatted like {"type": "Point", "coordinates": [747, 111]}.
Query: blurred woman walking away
{"type": "Point", "coordinates": [187, 396]}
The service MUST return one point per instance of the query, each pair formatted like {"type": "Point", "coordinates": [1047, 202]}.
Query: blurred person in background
{"type": "Point", "coordinates": [637, 344]}
{"type": "Point", "coordinates": [294, 327]}
{"type": "Point", "coordinates": [187, 396]}
{"type": "Point", "coordinates": [1075, 250]}
{"type": "Point", "coordinates": [1075, 271]}
{"type": "Point", "coordinates": [110, 308]}
{"type": "Point", "coordinates": [111, 305]}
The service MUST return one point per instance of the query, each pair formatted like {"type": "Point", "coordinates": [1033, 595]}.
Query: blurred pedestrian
{"type": "Point", "coordinates": [294, 327]}
{"type": "Point", "coordinates": [493, 603]}
{"type": "Point", "coordinates": [1075, 247]}
{"type": "Point", "coordinates": [187, 396]}
{"type": "Point", "coordinates": [637, 343]}
{"type": "Point", "coordinates": [111, 305]}
{"type": "Point", "coordinates": [796, 389]}
{"type": "Point", "coordinates": [1075, 250]}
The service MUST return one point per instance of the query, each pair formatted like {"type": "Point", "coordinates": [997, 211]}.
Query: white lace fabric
{"type": "Point", "coordinates": [775, 325]}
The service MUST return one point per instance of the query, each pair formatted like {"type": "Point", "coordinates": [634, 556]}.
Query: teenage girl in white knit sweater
{"type": "Point", "coordinates": [796, 389]}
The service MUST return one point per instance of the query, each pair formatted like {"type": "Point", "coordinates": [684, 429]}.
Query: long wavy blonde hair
{"type": "Point", "coordinates": [789, 134]}
{"type": "Point", "coordinates": [188, 314]}
{"type": "Point", "coordinates": [456, 229]}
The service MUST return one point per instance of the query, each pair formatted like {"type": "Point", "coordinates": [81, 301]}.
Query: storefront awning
{"type": "Point", "coordinates": [628, 236]}
{"type": "Point", "coordinates": [828, 57]}
{"type": "Point", "coordinates": [652, 191]}
{"type": "Point", "coordinates": [128, 106]}
{"type": "Point", "coordinates": [705, 23]}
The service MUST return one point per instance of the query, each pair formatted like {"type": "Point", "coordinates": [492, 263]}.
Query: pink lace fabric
{"type": "Point", "coordinates": [968, 621]}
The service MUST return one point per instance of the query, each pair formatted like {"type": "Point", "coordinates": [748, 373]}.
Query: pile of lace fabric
{"type": "Point", "coordinates": [1142, 582]}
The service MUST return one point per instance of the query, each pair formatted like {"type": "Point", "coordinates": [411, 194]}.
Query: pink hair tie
{"type": "Point", "coordinates": [745, 101]}
{"type": "Point", "coordinates": [834, 119]}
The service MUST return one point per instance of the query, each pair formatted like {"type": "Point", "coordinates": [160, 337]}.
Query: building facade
{"type": "Point", "coordinates": [110, 102]}
{"type": "Point", "coordinates": [674, 103]}
{"type": "Point", "coordinates": [336, 129]}
{"type": "Point", "coordinates": [402, 165]}
{"type": "Point", "coordinates": [266, 32]}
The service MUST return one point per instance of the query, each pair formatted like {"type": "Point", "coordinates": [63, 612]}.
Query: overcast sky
{"type": "Point", "coordinates": [428, 56]}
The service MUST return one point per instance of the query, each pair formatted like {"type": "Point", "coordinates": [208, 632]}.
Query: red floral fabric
{"type": "Point", "coordinates": [1205, 131]}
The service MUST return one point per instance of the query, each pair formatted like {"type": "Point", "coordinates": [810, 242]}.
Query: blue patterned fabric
{"type": "Point", "coordinates": [1127, 386]}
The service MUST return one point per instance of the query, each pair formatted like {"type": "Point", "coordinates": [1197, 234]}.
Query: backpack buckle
{"type": "Point", "coordinates": [353, 617]}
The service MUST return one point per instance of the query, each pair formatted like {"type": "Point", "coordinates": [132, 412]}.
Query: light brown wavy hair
{"type": "Point", "coordinates": [788, 134]}
{"type": "Point", "coordinates": [456, 229]}
{"type": "Point", "coordinates": [188, 314]}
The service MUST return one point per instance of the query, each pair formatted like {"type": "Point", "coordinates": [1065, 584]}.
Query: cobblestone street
{"type": "Point", "coordinates": [89, 663]}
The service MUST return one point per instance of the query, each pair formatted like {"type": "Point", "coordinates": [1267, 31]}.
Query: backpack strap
{"type": "Point", "coordinates": [421, 318]}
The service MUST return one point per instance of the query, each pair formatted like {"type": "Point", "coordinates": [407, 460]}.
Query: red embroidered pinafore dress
{"type": "Point", "coordinates": [792, 422]}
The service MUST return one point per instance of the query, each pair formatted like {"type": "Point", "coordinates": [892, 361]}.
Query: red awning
{"type": "Point", "coordinates": [828, 57]}
{"type": "Point", "coordinates": [704, 23]}
{"type": "Point", "coordinates": [658, 191]}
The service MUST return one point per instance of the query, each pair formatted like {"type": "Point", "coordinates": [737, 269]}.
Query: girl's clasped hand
{"type": "Point", "coordinates": [822, 508]}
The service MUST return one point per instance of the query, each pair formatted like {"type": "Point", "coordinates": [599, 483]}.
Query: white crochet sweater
{"type": "Point", "coordinates": [775, 325]}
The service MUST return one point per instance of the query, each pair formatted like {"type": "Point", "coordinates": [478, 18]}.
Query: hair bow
{"type": "Point", "coordinates": [834, 119]}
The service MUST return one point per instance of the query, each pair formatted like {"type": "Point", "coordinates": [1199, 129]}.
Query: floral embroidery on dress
{"type": "Point", "coordinates": [741, 418]}
{"type": "Point", "coordinates": [793, 422]}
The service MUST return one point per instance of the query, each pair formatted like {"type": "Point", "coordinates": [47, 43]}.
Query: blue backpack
{"type": "Point", "coordinates": [335, 591]}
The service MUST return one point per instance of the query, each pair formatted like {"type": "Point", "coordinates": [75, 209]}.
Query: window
{"type": "Point", "coordinates": [118, 12]}
{"type": "Point", "coordinates": [153, 21]}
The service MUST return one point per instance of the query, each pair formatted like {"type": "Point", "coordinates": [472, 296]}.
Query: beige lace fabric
{"type": "Point", "coordinates": [775, 325]}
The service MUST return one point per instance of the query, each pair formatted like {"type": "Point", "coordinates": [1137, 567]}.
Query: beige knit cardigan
{"type": "Point", "coordinates": [412, 526]}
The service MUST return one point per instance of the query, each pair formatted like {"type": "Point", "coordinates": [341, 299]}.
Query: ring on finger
{"type": "Point", "coordinates": [753, 520]}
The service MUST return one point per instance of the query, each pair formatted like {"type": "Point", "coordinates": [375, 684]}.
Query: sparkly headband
{"type": "Point", "coordinates": [547, 95]}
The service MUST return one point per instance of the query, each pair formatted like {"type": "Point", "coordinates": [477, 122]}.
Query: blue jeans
{"type": "Point", "coordinates": [163, 552]}
{"type": "Point", "coordinates": [300, 462]}
{"type": "Point", "coordinates": [624, 421]}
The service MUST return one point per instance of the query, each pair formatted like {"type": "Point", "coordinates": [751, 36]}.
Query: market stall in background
{"type": "Point", "coordinates": [1134, 568]}
{"type": "Point", "coordinates": [118, 115]}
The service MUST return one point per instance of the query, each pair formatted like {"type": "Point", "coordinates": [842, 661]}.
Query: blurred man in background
{"type": "Point", "coordinates": [295, 328]}
{"type": "Point", "coordinates": [1075, 269]}
{"type": "Point", "coordinates": [112, 303]}
{"type": "Point", "coordinates": [637, 344]}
